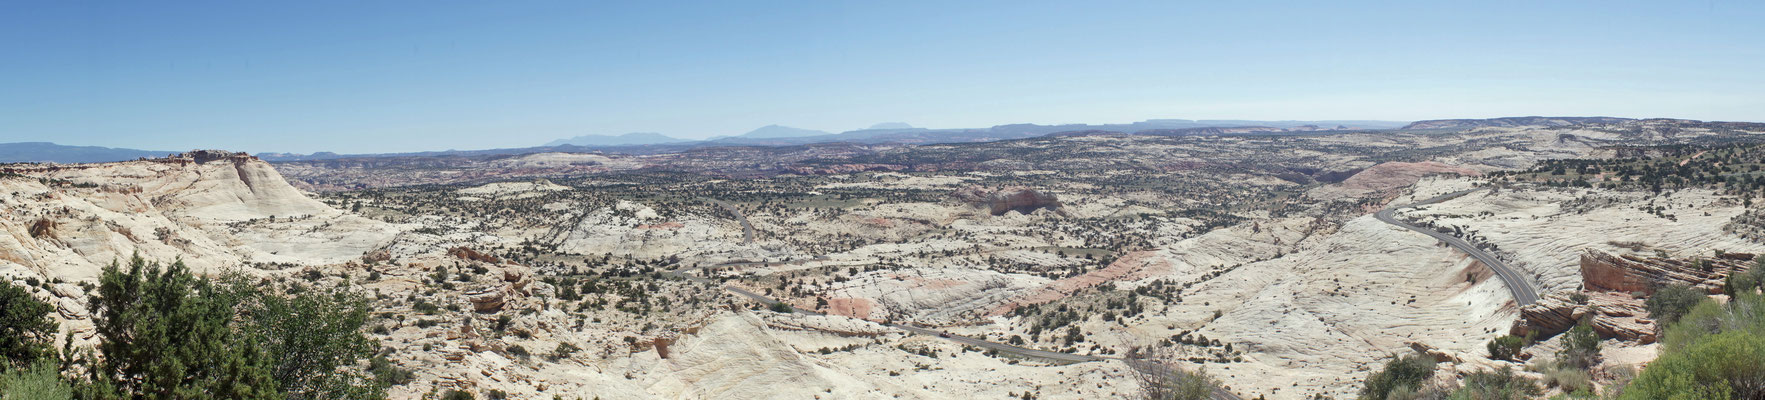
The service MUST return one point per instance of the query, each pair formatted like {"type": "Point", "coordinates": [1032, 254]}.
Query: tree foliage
{"type": "Point", "coordinates": [1716, 351]}
{"type": "Point", "coordinates": [25, 327]}
{"type": "Point", "coordinates": [1672, 301]}
{"type": "Point", "coordinates": [311, 335]}
{"type": "Point", "coordinates": [169, 335]}
{"type": "Point", "coordinates": [166, 333]}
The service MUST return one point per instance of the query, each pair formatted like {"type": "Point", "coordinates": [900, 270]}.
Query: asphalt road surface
{"type": "Point", "coordinates": [1518, 285]}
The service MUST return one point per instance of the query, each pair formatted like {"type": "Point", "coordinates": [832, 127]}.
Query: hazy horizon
{"type": "Point", "coordinates": [405, 76]}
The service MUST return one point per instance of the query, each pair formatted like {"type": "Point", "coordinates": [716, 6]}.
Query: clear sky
{"type": "Point", "coordinates": [382, 76]}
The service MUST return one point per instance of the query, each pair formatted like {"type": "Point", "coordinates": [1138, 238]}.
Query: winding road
{"type": "Point", "coordinates": [1521, 288]}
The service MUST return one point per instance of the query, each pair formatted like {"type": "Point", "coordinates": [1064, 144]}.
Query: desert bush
{"type": "Point", "coordinates": [1506, 347]}
{"type": "Point", "coordinates": [1581, 347]}
{"type": "Point", "coordinates": [1716, 351]}
{"type": "Point", "coordinates": [1566, 377]}
{"type": "Point", "coordinates": [1728, 365]}
{"type": "Point", "coordinates": [386, 374]}
{"type": "Point", "coordinates": [1403, 372]}
{"type": "Point", "coordinates": [780, 307]}
{"type": "Point", "coordinates": [1155, 369]}
{"type": "Point", "coordinates": [40, 381]}
{"type": "Point", "coordinates": [1672, 301]}
{"type": "Point", "coordinates": [1500, 384]}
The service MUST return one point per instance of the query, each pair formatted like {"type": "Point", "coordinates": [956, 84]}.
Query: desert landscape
{"type": "Point", "coordinates": [1047, 267]}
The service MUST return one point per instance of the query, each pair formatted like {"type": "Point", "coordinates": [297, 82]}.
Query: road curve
{"type": "Point", "coordinates": [747, 228]}
{"type": "Point", "coordinates": [1521, 288]}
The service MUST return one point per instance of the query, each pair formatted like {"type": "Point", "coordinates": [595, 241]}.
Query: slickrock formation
{"type": "Point", "coordinates": [1002, 200]}
{"type": "Point", "coordinates": [1612, 314]}
{"type": "Point", "coordinates": [1386, 177]}
{"type": "Point", "coordinates": [1631, 273]}
{"type": "Point", "coordinates": [210, 208]}
{"type": "Point", "coordinates": [1611, 279]}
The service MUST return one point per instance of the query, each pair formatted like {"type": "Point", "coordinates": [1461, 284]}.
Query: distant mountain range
{"type": "Point", "coordinates": [1511, 121]}
{"type": "Point", "coordinates": [629, 139]}
{"type": "Point", "coordinates": [780, 131]}
{"type": "Point", "coordinates": [51, 152]}
{"type": "Point", "coordinates": [881, 133]}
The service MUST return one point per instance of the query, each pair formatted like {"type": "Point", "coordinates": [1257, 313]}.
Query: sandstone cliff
{"type": "Point", "coordinates": [212, 209]}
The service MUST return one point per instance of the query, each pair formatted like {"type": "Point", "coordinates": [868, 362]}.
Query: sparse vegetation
{"type": "Point", "coordinates": [1404, 374]}
{"type": "Point", "coordinates": [1506, 347]}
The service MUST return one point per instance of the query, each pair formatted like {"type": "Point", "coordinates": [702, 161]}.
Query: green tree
{"type": "Point", "coordinates": [25, 327]}
{"type": "Point", "coordinates": [1402, 373]}
{"type": "Point", "coordinates": [312, 336]}
{"type": "Point", "coordinates": [167, 334]}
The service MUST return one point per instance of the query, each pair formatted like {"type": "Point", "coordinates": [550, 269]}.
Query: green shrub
{"type": "Point", "coordinates": [781, 307]}
{"type": "Point", "coordinates": [1581, 347]}
{"type": "Point", "coordinates": [1716, 351]}
{"type": "Point", "coordinates": [41, 381]}
{"type": "Point", "coordinates": [1506, 347]}
{"type": "Point", "coordinates": [1567, 377]}
{"type": "Point", "coordinates": [1728, 365]}
{"type": "Point", "coordinates": [456, 395]}
{"type": "Point", "coordinates": [1671, 302]}
{"type": "Point", "coordinates": [1406, 371]}
{"type": "Point", "coordinates": [386, 374]}
{"type": "Point", "coordinates": [1739, 283]}
{"type": "Point", "coordinates": [1496, 385]}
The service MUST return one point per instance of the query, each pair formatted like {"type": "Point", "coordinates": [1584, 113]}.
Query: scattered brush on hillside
{"type": "Point", "coordinates": [1154, 367]}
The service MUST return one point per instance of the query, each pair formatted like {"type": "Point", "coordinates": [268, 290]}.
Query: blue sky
{"type": "Point", "coordinates": [384, 76]}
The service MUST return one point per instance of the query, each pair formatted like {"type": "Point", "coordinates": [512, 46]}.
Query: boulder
{"type": "Point", "coordinates": [486, 300]}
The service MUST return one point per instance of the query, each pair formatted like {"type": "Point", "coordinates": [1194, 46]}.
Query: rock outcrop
{"type": "Point", "coordinates": [1012, 198]}
{"type": "Point", "coordinates": [1612, 315]}
{"type": "Point", "coordinates": [1630, 273]}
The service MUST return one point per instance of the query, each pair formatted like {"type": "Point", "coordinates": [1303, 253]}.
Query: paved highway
{"type": "Point", "coordinates": [1518, 285]}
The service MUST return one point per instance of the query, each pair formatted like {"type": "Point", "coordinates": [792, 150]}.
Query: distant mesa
{"type": "Point", "coordinates": [1511, 122]}
{"type": "Point", "coordinates": [781, 131]}
{"type": "Point", "coordinates": [55, 153]}
{"type": "Point", "coordinates": [629, 139]}
{"type": "Point", "coordinates": [890, 125]}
